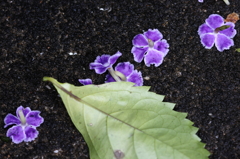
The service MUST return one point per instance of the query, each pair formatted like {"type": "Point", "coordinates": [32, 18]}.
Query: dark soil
{"type": "Point", "coordinates": [38, 35]}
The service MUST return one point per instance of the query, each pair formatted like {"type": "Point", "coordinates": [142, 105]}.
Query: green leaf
{"type": "Point", "coordinates": [221, 28]}
{"type": "Point", "coordinates": [120, 121]}
{"type": "Point", "coordinates": [238, 49]}
{"type": "Point", "coordinates": [5, 139]}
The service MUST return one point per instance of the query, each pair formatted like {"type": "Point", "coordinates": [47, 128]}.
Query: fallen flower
{"type": "Point", "coordinates": [25, 123]}
{"type": "Point", "coordinates": [131, 75]}
{"type": "Point", "coordinates": [85, 81]}
{"type": "Point", "coordinates": [216, 31]}
{"type": "Point", "coordinates": [102, 63]}
{"type": "Point", "coordinates": [150, 46]}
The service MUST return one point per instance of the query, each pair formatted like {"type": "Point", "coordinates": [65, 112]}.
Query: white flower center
{"type": "Point", "coordinates": [22, 117]}
{"type": "Point", "coordinates": [150, 43]}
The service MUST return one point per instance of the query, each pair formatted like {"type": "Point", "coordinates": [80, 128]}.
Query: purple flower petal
{"type": "Point", "coordinates": [208, 40]}
{"type": "Point", "coordinates": [138, 53]}
{"type": "Point", "coordinates": [33, 118]}
{"type": "Point", "coordinates": [93, 65]}
{"type": "Point", "coordinates": [100, 70]}
{"type": "Point", "coordinates": [154, 35]}
{"type": "Point", "coordinates": [136, 77]}
{"type": "Point", "coordinates": [223, 42]}
{"type": "Point", "coordinates": [109, 78]}
{"type": "Point", "coordinates": [85, 81]}
{"type": "Point", "coordinates": [31, 133]}
{"type": "Point", "coordinates": [10, 120]}
{"type": "Point", "coordinates": [114, 58]}
{"type": "Point", "coordinates": [162, 46]}
{"type": "Point", "coordinates": [230, 32]}
{"type": "Point", "coordinates": [200, 1]}
{"type": "Point", "coordinates": [25, 110]}
{"type": "Point", "coordinates": [103, 59]}
{"type": "Point", "coordinates": [140, 41]}
{"type": "Point", "coordinates": [204, 28]}
{"type": "Point", "coordinates": [16, 133]}
{"type": "Point", "coordinates": [125, 68]}
{"type": "Point", "coordinates": [102, 63]}
{"type": "Point", "coordinates": [215, 21]}
{"type": "Point", "coordinates": [153, 57]}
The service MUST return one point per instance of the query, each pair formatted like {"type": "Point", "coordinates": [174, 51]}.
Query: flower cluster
{"type": "Point", "coordinates": [216, 31]}
{"type": "Point", "coordinates": [123, 71]}
{"type": "Point", "coordinates": [152, 48]}
{"type": "Point", "coordinates": [149, 46]}
{"type": "Point", "coordinates": [25, 123]}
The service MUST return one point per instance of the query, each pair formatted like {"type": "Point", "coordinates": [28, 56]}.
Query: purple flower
{"type": "Point", "coordinates": [25, 123]}
{"type": "Point", "coordinates": [200, 1]}
{"type": "Point", "coordinates": [85, 81]}
{"type": "Point", "coordinates": [211, 33]}
{"type": "Point", "coordinates": [127, 69]}
{"type": "Point", "coordinates": [102, 63]}
{"type": "Point", "coordinates": [150, 46]}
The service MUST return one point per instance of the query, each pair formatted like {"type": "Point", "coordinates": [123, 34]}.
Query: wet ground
{"type": "Point", "coordinates": [38, 37]}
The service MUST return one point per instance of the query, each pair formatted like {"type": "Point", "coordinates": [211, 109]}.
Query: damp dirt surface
{"type": "Point", "coordinates": [59, 38]}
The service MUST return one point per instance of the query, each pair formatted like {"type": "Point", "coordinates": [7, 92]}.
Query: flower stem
{"type": "Point", "coordinates": [113, 74]}
{"type": "Point", "coordinates": [122, 76]}
{"type": "Point", "coordinates": [22, 117]}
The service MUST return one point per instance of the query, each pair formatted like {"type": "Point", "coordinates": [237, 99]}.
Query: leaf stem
{"type": "Point", "coordinates": [122, 76]}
